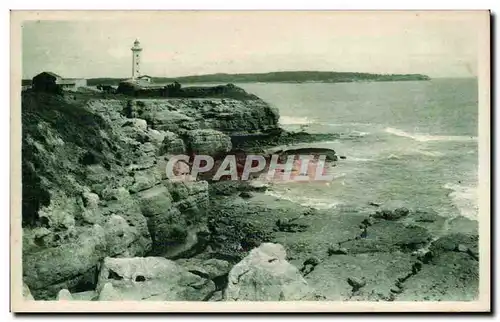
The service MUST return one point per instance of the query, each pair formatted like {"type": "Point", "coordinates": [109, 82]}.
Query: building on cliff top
{"type": "Point", "coordinates": [144, 78]}
{"type": "Point", "coordinates": [46, 81]}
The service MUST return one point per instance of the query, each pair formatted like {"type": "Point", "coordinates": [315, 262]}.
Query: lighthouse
{"type": "Point", "coordinates": [136, 59]}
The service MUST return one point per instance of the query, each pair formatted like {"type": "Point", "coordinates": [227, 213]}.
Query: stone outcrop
{"type": "Point", "coordinates": [208, 268]}
{"type": "Point", "coordinates": [265, 275]}
{"type": "Point", "coordinates": [71, 264]}
{"type": "Point", "coordinates": [64, 295]}
{"type": "Point", "coordinates": [151, 279]}
{"type": "Point", "coordinates": [232, 117]}
{"type": "Point", "coordinates": [450, 271]}
{"type": "Point", "coordinates": [208, 142]}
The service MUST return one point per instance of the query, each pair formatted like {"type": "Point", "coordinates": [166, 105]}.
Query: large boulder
{"type": "Point", "coordinates": [265, 275]}
{"type": "Point", "coordinates": [52, 269]}
{"type": "Point", "coordinates": [152, 279]}
{"type": "Point", "coordinates": [120, 235]}
{"type": "Point", "coordinates": [155, 201]}
{"type": "Point", "coordinates": [209, 268]}
{"type": "Point", "coordinates": [131, 237]}
{"type": "Point", "coordinates": [207, 141]}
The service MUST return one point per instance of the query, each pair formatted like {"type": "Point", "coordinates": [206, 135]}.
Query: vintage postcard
{"type": "Point", "coordinates": [250, 161]}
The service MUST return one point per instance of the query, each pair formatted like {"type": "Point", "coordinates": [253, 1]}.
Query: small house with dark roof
{"type": "Point", "coordinates": [45, 81]}
{"type": "Point", "coordinates": [144, 78]}
{"type": "Point", "coordinates": [48, 81]}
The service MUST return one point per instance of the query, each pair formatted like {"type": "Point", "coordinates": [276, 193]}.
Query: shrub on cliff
{"type": "Point", "coordinates": [52, 130]}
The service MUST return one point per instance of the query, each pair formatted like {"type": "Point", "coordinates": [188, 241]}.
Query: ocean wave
{"type": "Point", "coordinates": [405, 154]}
{"type": "Point", "coordinates": [465, 198]}
{"type": "Point", "coordinates": [427, 138]}
{"type": "Point", "coordinates": [428, 153]}
{"type": "Point", "coordinates": [349, 124]}
{"type": "Point", "coordinates": [355, 159]}
{"type": "Point", "coordinates": [303, 201]}
{"type": "Point", "coordinates": [294, 120]}
{"type": "Point", "coordinates": [393, 157]}
{"type": "Point", "coordinates": [358, 134]}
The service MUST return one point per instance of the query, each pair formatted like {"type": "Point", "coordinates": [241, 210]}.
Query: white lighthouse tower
{"type": "Point", "coordinates": [136, 59]}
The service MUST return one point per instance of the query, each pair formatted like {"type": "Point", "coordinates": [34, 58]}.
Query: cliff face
{"type": "Point", "coordinates": [232, 117]}
{"type": "Point", "coordinates": [94, 182]}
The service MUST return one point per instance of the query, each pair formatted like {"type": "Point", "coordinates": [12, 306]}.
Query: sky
{"type": "Point", "coordinates": [194, 43]}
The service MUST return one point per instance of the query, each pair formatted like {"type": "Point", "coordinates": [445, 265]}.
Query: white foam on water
{"type": "Point", "coordinates": [303, 201]}
{"type": "Point", "coordinates": [294, 120]}
{"type": "Point", "coordinates": [355, 159]}
{"type": "Point", "coordinates": [359, 133]}
{"type": "Point", "coordinates": [393, 157]}
{"type": "Point", "coordinates": [426, 137]}
{"type": "Point", "coordinates": [349, 124]}
{"type": "Point", "coordinates": [465, 198]}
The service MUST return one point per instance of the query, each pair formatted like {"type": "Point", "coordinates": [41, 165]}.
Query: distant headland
{"type": "Point", "coordinates": [277, 77]}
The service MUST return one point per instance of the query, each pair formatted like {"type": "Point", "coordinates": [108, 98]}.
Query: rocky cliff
{"type": "Point", "coordinates": [101, 221]}
{"type": "Point", "coordinates": [94, 181]}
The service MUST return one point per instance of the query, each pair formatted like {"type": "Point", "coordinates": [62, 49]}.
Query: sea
{"type": "Point", "coordinates": [411, 143]}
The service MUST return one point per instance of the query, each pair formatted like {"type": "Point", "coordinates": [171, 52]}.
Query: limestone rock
{"type": "Point", "coordinates": [454, 242]}
{"type": "Point", "coordinates": [335, 249]}
{"type": "Point", "coordinates": [157, 137]}
{"type": "Point", "coordinates": [209, 142]}
{"type": "Point", "coordinates": [216, 297]}
{"type": "Point", "coordinates": [115, 193]}
{"type": "Point", "coordinates": [66, 262]}
{"type": "Point", "coordinates": [108, 293]}
{"type": "Point", "coordinates": [450, 276]}
{"type": "Point", "coordinates": [265, 275]}
{"type": "Point", "coordinates": [155, 201]}
{"type": "Point", "coordinates": [84, 296]}
{"type": "Point", "coordinates": [378, 271]}
{"type": "Point", "coordinates": [119, 235]}
{"type": "Point", "coordinates": [64, 295]}
{"type": "Point", "coordinates": [130, 210]}
{"type": "Point", "coordinates": [150, 278]}
{"type": "Point", "coordinates": [191, 198]}
{"type": "Point", "coordinates": [172, 144]}
{"type": "Point", "coordinates": [246, 194]}
{"type": "Point", "coordinates": [387, 236]}
{"type": "Point", "coordinates": [90, 200]}
{"type": "Point", "coordinates": [356, 283]}
{"type": "Point", "coordinates": [450, 271]}
{"type": "Point", "coordinates": [136, 123]}
{"type": "Point", "coordinates": [91, 216]}
{"type": "Point", "coordinates": [145, 179]}
{"type": "Point", "coordinates": [209, 268]}
{"type": "Point", "coordinates": [392, 214]}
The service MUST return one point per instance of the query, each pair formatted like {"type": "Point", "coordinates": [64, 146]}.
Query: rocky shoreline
{"type": "Point", "coordinates": [101, 221]}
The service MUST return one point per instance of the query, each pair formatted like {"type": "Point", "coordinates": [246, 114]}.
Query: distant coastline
{"type": "Point", "coordinates": [281, 77]}
{"type": "Point", "coordinates": [274, 77]}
